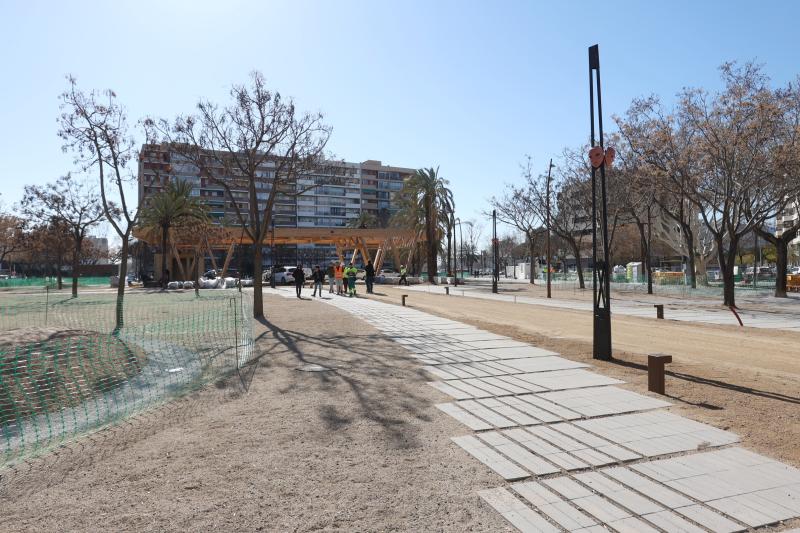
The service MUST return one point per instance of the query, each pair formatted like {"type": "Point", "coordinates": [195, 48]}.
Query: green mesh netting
{"type": "Point", "coordinates": [65, 371]}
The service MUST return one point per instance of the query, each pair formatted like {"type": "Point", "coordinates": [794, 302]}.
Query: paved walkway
{"type": "Point", "coordinates": [574, 452]}
{"type": "Point", "coordinates": [706, 315]}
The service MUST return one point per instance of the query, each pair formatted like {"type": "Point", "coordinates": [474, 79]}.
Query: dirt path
{"type": "Point", "coordinates": [361, 448]}
{"type": "Point", "coordinates": [743, 379]}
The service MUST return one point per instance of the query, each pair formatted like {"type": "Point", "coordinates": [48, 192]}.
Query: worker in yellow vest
{"type": "Point", "coordinates": [350, 273]}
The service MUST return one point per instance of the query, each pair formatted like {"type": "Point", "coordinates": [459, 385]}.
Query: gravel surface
{"type": "Point", "coordinates": [357, 448]}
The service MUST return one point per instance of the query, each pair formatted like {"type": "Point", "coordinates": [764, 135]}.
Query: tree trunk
{"type": "Point", "coordinates": [531, 252]}
{"type": "Point", "coordinates": [258, 268]}
{"type": "Point", "coordinates": [690, 267]}
{"type": "Point", "coordinates": [164, 231]}
{"type": "Point", "coordinates": [123, 275]}
{"type": "Point", "coordinates": [59, 277]}
{"type": "Point", "coordinates": [576, 252]}
{"type": "Point", "coordinates": [449, 251]}
{"type": "Point", "coordinates": [782, 256]}
{"type": "Point", "coordinates": [195, 275]}
{"type": "Point", "coordinates": [727, 259]}
{"type": "Point", "coordinates": [76, 261]}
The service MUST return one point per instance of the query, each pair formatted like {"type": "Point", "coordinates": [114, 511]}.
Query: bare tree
{"type": "Point", "coordinates": [516, 209]}
{"type": "Point", "coordinates": [474, 230]}
{"type": "Point", "coordinates": [668, 156]}
{"type": "Point", "coordinates": [741, 181]}
{"type": "Point", "coordinates": [12, 236]}
{"type": "Point", "coordinates": [94, 128]}
{"type": "Point", "coordinates": [70, 202]}
{"type": "Point", "coordinates": [787, 186]}
{"type": "Point", "coordinates": [259, 145]}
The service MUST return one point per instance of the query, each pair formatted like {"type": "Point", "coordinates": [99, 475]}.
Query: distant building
{"type": "Point", "coordinates": [369, 187]}
{"type": "Point", "coordinates": [785, 220]}
{"type": "Point", "coordinates": [99, 250]}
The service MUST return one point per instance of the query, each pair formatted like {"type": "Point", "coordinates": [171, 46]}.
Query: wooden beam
{"type": "Point", "coordinates": [364, 252]}
{"type": "Point", "coordinates": [177, 258]}
{"type": "Point", "coordinates": [211, 253]}
{"type": "Point", "coordinates": [227, 260]}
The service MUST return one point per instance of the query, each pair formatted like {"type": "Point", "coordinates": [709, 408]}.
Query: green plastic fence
{"type": "Point", "coordinates": [64, 371]}
{"type": "Point", "coordinates": [52, 281]}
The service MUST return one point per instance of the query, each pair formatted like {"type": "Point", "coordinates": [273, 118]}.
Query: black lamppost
{"type": "Point", "coordinates": [272, 268]}
{"type": "Point", "coordinates": [460, 263]}
{"type": "Point", "coordinates": [547, 222]}
{"type": "Point", "coordinates": [601, 282]}
{"type": "Point", "coordinates": [495, 253]}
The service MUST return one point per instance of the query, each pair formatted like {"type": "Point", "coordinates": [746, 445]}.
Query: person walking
{"type": "Point", "coordinates": [403, 273]}
{"type": "Point", "coordinates": [332, 277]}
{"type": "Point", "coordinates": [350, 272]}
{"type": "Point", "coordinates": [299, 278]}
{"type": "Point", "coordinates": [339, 274]}
{"type": "Point", "coordinates": [369, 277]}
{"type": "Point", "coordinates": [318, 276]}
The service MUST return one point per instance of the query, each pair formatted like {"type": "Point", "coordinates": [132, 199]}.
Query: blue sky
{"type": "Point", "coordinates": [468, 86]}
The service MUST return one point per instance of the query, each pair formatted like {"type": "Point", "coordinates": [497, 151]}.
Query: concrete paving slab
{"type": "Point", "coordinates": [466, 418]}
{"type": "Point", "coordinates": [492, 459]}
{"type": "Point", "coordinates": [657, 433]}
{"type": "Point", "coordinates": [601, 401]}
{"type": "Point", "coordinates": [517, 513]}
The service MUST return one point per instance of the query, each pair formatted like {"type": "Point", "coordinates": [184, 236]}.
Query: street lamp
{"type": "Point", "coordinates": [272, 246]}
{"type": "Point", "coordinates": [460, 267]}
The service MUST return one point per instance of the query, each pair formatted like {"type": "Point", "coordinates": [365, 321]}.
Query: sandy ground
{"type": "Point", "coordinates": [743, 379]}
{"type": "Point", "coordinates": [360, 448]}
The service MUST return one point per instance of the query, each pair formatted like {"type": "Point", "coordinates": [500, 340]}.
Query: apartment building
{"type": "Point", "coordinates": [331, 197]}
{"type": "Point", "coordinates": [787, 219]}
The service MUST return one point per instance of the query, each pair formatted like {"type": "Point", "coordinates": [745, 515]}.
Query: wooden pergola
{"type": "Point", "coordinates": [189, 248]}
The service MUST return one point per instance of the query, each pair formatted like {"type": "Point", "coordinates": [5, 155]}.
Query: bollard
{"type": "Point", "coordinates": [404, 296]}
{"type": "Point", "coordinates": [655, 371]}
{"type": "Point", "coordinates": [659, 311]}
{"type": "Point", "coordinates": [447, 291]}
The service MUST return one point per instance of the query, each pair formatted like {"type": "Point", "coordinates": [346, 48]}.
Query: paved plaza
{"type": "Point", "coordinates": [572, 450]}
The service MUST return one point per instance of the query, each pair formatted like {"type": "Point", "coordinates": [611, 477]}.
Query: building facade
{"type": "Point", "coordinates": [787, 219]}
{"type": "Point", "coordinates": [333, 197]}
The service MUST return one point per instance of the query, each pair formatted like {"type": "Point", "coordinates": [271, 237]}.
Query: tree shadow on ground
{"type": "Point", "coordinates": [374, 369]}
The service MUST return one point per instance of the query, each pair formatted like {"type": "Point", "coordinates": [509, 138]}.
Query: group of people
{"type": "Point", "coordinates": [341, 278]}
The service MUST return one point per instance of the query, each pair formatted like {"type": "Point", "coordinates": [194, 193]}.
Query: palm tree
{"type": "Point", "coordinates": [172, 207]}
{"type": "Point", "coordinates": [364, 220]}
{"type": "Point", "coordinates": [426, 204]}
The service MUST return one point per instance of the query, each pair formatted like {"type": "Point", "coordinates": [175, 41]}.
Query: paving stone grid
{"type": "Point", "coordinates": [578, 452]}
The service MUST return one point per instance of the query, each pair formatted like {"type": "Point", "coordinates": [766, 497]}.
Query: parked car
{"type": "Point", "coordinates": [284, 274]}
{"type": "Point", "coordinates": [361, 274]}
{"type": "Point", "coordinates": [388, 272]}
{"type": "Point", "coordinates": [794, 270]}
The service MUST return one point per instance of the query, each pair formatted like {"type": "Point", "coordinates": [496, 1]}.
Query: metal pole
{"type": "Point", "coordinates": [495, 253]}
{"type": "Point", "coordinates": [649, 252]}
{"type": "Point", "coordinates": [601, 283]}
{"type": "Point", "coordinates": [272, 268]}
{"type": "Point", "coordinates": [461, 237]}
{"type": "Point", "coordinates": [547, 224]}
{"type": "Point", "coordinates": [755, 260]}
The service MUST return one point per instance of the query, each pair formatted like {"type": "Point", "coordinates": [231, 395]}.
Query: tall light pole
{"type": "Point", "coordinates": [495, 253]}
{"type": "Point", "coordinates": [460, 265]}
{"type": "Point", "coordinates": [272, 268]}
{"type": "Point", "coordinates": [601, 282]}
{"type": "Point", "coordinates": [547, 222]}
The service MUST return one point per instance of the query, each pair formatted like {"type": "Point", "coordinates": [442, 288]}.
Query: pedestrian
{"type": "Point", "coordinates": [339, 274]}
{"type": "Point", "coordinates": [165, 279]}
{"type": "Point", "coordinates": [299, 278]}
{"type": "Point", "coordinates": [318, 276]}
{"type": "Point", "coordinates": [403, 273]}
{"type": "Point", "coordinates": [369, 277]}
{"type": "Point", "coordinates": [332, 277]}
{"type": "Point", "coordinates": [351, 272]}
